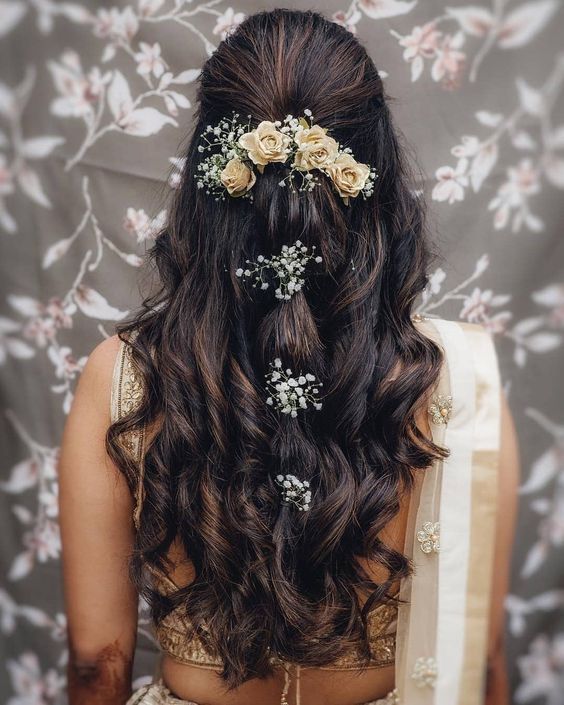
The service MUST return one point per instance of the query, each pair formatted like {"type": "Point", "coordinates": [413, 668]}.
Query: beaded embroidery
{"type": "Point", "coordinates": [440, 409]}
{"type": "Point", "coordinates": [425, 672]}
{"type": "Point", "coordinates": [127, 394]}
{"type": "Point", "coordinates": [429, 537]}
{"type": "Point", "coordinates": [171, 635]}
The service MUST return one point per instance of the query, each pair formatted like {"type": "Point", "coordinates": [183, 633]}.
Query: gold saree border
{"type": "Point", "coordinates": [485, 471]}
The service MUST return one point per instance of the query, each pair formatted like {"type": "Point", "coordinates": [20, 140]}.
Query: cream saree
{"type": "Point", "coordinates": [442, 630]}
{"type": "Point", "coordinates": [443, 622]}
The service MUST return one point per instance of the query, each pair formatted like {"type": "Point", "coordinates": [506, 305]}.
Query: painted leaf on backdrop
{"type": "Point", "coordinates": [554, 170]}
{"type": "Point", "coordinates": [472, 19]}
{"type": "Point", "coordinates": [188, 76]}
{"type": "Point", "coordinates": [56, 251]}
{"type": "Point", "coordinates": [26, 305]}
{"type": "Point", "coordinates": [21, 566]}
{"type": "Point", "coordinates": [531, 100]}
{"type": "Point", "coordinates": [145, 122]}
{"type": "Point", "coordinates": [22, 476]}
{"type": "Point", "coordinates": [11, 12]}
{"type": "Point", "coordinates": [380, 9]}
{"type": "Point", "coordinates": [535, 558]}
{"type": "Point", "coordinates": [525, 22]}
{"type": "Point", "coordinates": [543, 342]}
{"type": "Point", "coordinates": [94, 305]}
{"type": "Point", "coordinates": [485, 117]}
{"type": "Point", "coordinates": [75, 13]}
{"type": "Point", "coordinates": [119, 97]}
{"type": "Point", "coordinates": [551, 295]}
{"type": "Point", "coordinates": [31, 186]}
{"type": "Point", "coordinates": [482, 164]}
{"type": "Point", "coordinates": [39, 147]}
{"type": "Point", "coordinates": [543, 470]}
{"type": "Point", "coordinates": [18, 349]}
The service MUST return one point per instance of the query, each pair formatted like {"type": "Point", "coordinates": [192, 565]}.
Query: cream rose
{"type": "Point", "coordinates": [265, 144]}
{"type": "Point", "coordinates": [348, 175]}
{"type": "Point", "coordinates": [315, 148]}
{"type": "Point", "coordinates": [237, 177]}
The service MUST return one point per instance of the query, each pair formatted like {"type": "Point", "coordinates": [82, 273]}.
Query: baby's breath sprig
{"type": "Point", "coordinates": [222, 141]}
{"type": "Point", "coordinates": [288, 266]}
{"type": "Point", "coordinates": [289, 393]}
{"type": "Point", "coordinates": [292, 126]}
{"type": "Point", "coordinates": [295, 491]}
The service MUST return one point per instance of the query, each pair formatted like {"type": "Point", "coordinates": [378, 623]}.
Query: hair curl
{"type": "Point", "coordinates": [270, 580]}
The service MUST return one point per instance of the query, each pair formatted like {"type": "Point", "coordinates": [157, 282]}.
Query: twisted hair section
{"type": "Point", "coordinates": [269, 579]}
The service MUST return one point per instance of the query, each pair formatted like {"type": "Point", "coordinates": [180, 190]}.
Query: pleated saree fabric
{"type": "Point", "coordinates": [442, 627]}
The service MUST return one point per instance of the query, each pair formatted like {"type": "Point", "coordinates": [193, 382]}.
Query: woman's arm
{"type": "Point", "coordinates": [97, 536]}
{"type": "Point", "coordinates": [509, 472]}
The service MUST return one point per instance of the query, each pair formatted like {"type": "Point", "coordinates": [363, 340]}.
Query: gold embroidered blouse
{"type": "Point", "coordinates": [172, 630]}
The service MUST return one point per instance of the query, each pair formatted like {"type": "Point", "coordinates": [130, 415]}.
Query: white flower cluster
{"type": "Point", "coordinates": [222, 140]}
{"type": "Point", "coordinates": [289, 267]}
{"type": "Point", "coordinates": [287, 393]}
{"type": "Point", "coordinates": [238, 153]}
{"type": "Point", "coordinates": [295, 491]}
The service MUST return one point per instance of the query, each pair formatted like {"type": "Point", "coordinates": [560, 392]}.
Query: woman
{"type": "Point", "coordinates": [274, 444]}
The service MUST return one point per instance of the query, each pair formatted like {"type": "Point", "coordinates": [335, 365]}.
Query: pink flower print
{"type": "Point", "coordinates": [44, 541]}
{"type": "Point", "coordinates": [452, 182]}
{"type": "Point", "coordinates": [541, 671]}
{"type": "Point", "coordinates": [29, 685]}
{"type": "Point", "coordinates": [78, 93]}
{"type": "Point", "coordinates": [66, 365]}
{"type": "Point", "coordinates": [423, 41]}
{"type": "Point", "coordinates": [522, 181]}
{"type": "Point", "coordinates": [115, 24]}
{"type": "Point", "coordinates": [478, 309]}
{"type": "Point", "coordinates": [449, 63]}
{"type": "Point", "coordinates": [469, 148]}
{"type": "Point", "coordinates": [347, 20]}
{"type": "Point", "coordinates": [139, 223]}
{"type": "Point", "coordinates": [59, 313]}
{"type": "Point", "coordinates": [149, 60]}
{"type": "Point", "coordinates": [40, 331]}
{"type": "Point", "coordinates": [227, 22]}
{"type": "Point", "coordinates": [421, 44]}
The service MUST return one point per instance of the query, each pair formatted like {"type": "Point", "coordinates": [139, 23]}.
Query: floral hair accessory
{"type": "Point", "coordinates": [288, 267]}
{"type": "Point", "coordinates": [287, 393]}
{"type": "Point", "coordinates": [295, 491]}
{"type": "Point", "coordinates": [237, 152]}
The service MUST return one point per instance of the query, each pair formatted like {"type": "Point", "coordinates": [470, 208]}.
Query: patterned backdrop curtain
{"type": "Point", "coordinates": [95, 102]}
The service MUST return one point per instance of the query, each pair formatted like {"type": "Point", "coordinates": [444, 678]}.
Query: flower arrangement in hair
{"type": "Point", "coordinates": [238, 153]}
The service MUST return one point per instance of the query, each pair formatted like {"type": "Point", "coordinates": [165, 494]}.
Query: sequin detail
{"type": "Point", "coordinates": [171, 635]}
{"type": "Point", "coordinates": [441, 409]}
{"type": "Point", "coordinates": [390, 699]}
{"type": "Point", "coordinates": [127, 396]}
{"type": "Point", "coordinates": [429, 537]}
{"type": "Point", "coordinates": [425, 672]}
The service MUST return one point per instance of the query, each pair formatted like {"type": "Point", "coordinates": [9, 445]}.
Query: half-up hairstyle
{"type": "Point", "coordinates": [271, 580]}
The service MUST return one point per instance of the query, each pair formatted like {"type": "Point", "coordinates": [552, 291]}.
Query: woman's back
{"type": "Point", "coordinates": [292, 437]}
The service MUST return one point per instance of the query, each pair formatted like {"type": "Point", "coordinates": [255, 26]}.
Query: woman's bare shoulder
{"type": "Point", "coordinates": [93, 392]}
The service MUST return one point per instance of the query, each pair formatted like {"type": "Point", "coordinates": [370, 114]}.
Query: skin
{"type": "Point", "coordinates": [97, 534]}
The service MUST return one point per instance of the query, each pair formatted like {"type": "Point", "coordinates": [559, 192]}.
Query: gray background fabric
{"type": "Point", "coordinates": [88, 128]}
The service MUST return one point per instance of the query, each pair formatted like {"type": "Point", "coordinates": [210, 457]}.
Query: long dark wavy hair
{"type": "Point", "coordinates": [270, 580]}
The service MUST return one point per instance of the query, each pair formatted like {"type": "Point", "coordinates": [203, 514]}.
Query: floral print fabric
{"type": "Point", "coordinates": [94, 100]}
